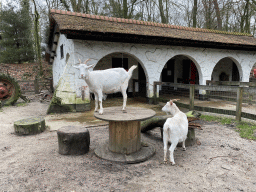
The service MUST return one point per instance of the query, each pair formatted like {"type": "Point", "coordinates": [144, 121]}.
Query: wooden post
{"type": "Point", "coordinates": [36, 85]}
{"type": "Point", "coordinates": [154, 90]}
{"type": "Point", "coordinates": [191, 96]}
{"type": "Point", "coordinates": [239, 103]}
{"type": "Point", "coordinates": [133, 87]}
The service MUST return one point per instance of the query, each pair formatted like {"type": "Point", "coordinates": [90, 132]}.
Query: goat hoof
{"type": "Point", "coordinates": [165, 162]}
{"type": "Point", "coordinates": [124, 111]}
{"type": "Point", "coordinates": [172, 163]}
{"type": "Point", "coordinates": [184, 149]}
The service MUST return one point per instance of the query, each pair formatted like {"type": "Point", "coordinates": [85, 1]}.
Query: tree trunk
{"type": "Point", "coordinates": [157, 121]}
{"type": "Point", "coordinates": [207, 7]}
{"type": "Point", "coordinates": [125, 9]}
{"type": "Point", "coordinates": [245, 18]}
{"type": "Point", "coordinates": [194, 13]}
{"type": "Point", "coordinates": [37, 40]}
{"type": "Point", "coordinates": [217, 10]}
{"type": "Point", "coordinates": [161, 9]}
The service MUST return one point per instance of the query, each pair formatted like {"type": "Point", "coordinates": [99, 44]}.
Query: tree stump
{"type": "Point", "coordinates": [73, 140]}
{"type": "Point", "coordinates": [191, 138]}
{"type": "Point", "coordinates": [29, 126]}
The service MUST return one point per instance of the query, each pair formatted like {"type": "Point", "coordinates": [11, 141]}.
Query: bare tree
{"type": "Point", "coordinates": [217, 10]}
{"type": "Point", "coordinates": [194, 13]}
{"type": "Point", "coordinates": [161, 9]}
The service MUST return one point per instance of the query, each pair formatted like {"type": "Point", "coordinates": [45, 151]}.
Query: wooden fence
{"type": "Point", "coordinates": [243, 93]}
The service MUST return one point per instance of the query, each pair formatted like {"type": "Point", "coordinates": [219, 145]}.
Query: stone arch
{"type": "Point", "coordinates": [253, 73]}
{"type": "Point", "coordinates": [230, 63]}
{"type": "Point", "coordinates": [131, 60]}
{"type": "Point", "coordinates": [199, 70]}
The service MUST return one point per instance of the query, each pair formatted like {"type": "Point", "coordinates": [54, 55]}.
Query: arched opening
{"type": "Point", "coordinates": [179, 69]}
{"type": "Point", "coordinates": [125, 60]}
{"type": "Point", "coordinates": [225, 70]}
{"type": "Point", "coordinates": [253, 74]}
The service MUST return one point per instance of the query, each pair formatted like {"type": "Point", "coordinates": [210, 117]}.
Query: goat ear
{"type": "Point", "coordinates": [171, 102]}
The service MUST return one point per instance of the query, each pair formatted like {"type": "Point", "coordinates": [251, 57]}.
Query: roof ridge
{"type": "Point", "coordinates": [139, 22]}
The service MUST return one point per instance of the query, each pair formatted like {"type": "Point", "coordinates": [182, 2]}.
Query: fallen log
{"type": "Point", "coordinates": [158, 121]}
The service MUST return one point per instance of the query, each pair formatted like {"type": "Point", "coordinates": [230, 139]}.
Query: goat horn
{"type": "Point", "coordinates": [87, 61]}
{"type": "Point", "coordinates": [79, 61]}
{"type": "Point", "coordinates": [175, 99]}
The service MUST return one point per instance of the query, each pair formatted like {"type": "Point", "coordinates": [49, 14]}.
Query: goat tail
{"type": "Point", "coordinates": [131, 70]}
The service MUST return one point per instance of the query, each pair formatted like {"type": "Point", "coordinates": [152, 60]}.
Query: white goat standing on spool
{"type": "Point", "coordinates": [175, 129]}
{"type": "Point", "coordinates": [105, 81]}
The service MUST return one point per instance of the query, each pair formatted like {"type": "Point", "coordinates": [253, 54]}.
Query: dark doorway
{"type": "Point", "coordinates": [142, 81]}
{"type": "Point", "coordinates": [194, 77]}
{"type": "Point", "coordinates": [186, 69]}
{"type": "Point", "coordinates": [224, 77]}
{"type": "Point", "coordinates": [120, 62]}
{"type": "Point", "coordinates": [168, 72]}
{"type": "Point", "coordinates": [235, 73]}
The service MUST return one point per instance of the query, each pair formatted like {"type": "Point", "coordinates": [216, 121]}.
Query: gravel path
{"type": "Point", "coordinates": [222, 162]}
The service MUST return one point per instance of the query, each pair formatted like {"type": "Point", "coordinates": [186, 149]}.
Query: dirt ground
{"type": "Point", "coordinates": [222, 162]}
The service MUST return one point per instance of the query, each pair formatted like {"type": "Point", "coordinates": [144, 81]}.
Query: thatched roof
{"type": "Point", "coordinates": [85, 26]}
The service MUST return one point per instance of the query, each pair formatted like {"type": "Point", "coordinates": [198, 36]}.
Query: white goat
{"type": "Point", "coordinates": [105, 81]}
{"type": "Point", "coordinates": [175, 129]}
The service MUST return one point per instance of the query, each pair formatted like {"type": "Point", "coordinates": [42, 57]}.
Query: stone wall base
{"type": "Point", "coordinates": [54, 108]}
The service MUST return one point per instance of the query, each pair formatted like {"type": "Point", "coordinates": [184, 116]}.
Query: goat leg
{"type": "Point", "coordinates": [183, 146]}
{"type": "Point", "coordinates": [171, 149]}
{"type": "Point", "coordinates": [96, 102]}
{"type": "Point", "coordinates": [165, 141]}
{"type": "Point", "coordinates": [100, 103]}
{"type": "Point", "coordinates": [124, 100]}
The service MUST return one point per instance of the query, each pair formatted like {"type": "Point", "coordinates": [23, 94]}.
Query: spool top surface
{"type": "Point", "coordinates": [29, 121]}
{"type": "Point", "coordinates": [72, 129]}
{"type": "Point", "coordinates": [132, 114]}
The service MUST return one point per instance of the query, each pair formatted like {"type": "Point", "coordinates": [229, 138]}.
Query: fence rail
{"type": "Point", "coordinates": [230, 100]}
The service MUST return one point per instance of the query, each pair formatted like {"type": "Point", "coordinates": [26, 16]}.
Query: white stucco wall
{"type": "Point", "coordinates": [59, 63]}
{"type": "Point", "coordinates": [151, 57]}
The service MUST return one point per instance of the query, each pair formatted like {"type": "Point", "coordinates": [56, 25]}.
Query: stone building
{"type": "Point", "coordinates": [162, 52]}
